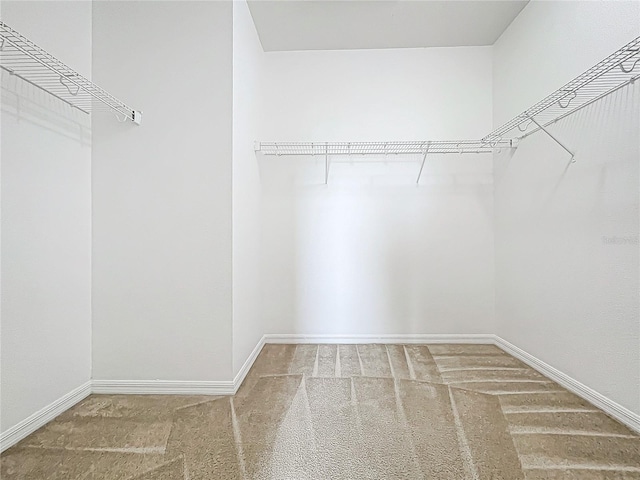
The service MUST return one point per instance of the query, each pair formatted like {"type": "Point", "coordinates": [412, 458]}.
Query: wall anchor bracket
{"type": "Point", "coordinates": [554, 139]}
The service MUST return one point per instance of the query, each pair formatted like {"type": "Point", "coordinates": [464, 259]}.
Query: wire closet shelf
{"type": "Point", "coordinates": [376, 148]}
{"type": "Point", "coordinates": [24, 59]}
{"type": "Point", "coordinates": [614, 72]}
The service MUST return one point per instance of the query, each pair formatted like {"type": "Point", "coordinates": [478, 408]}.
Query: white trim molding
{"type": "Point", "coordinates": [162, 387]}
{"type": "Point", "coordinates": [242, 373]}
{"type": "Point", "coordinates": [478, 338]}
{"type": "Point", "coordinates": [185, 387]}
{"type": "Point", "coordinates": [615, 410]}
{"type": "Point", "coordinates": [33, 422]}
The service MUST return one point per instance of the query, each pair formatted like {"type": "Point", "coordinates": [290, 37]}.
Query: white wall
{"type": "Point", "coordinates": [46, 221]}
{"type": "Point", "coordinates": [162, 261]}
{"type": "Point", "coordinates": [551, 42]}
{"type": "Point", "coordinates": [372, 253]}
{"type": "Point", "coordinates": [247, 115]}
{"type": "Point", "coordinates": [373, 95]}
{"type": "Point", "coordinates": [567, 259]}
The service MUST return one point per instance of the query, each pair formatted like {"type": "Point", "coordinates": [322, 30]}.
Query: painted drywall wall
{"type": "Point", "coordinates": [550, 43]}
{"type": "Point", "coordinates": [162, 301]}
{"type": "Point", "coordinates": [248, 60]}
{"type": "Point", "coordinates": [567, 255]}
{"type": "Point", "coordinates": [372, 252]}
{"type": "Point", "coordinates": [373, 95]}
{"type": "Point", "coordinates": [46, 221]}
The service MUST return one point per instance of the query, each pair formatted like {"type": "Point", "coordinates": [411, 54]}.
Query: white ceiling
{"type": "Point", "coordinates": [352, 24]}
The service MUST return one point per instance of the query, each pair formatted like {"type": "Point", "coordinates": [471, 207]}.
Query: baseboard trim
{"type": "Point", "coordinates": [162, 387]}
{"type": "Point", "coordinates": [180, 387]}
{"type": "Point", "coordinates": [33, 422]}
{"type": "Point", "coordinates": [617, 411]}
{"type": "Point", "coordinates": [242, 373]}
{"type": "Point", "coordinates": [479, 338]}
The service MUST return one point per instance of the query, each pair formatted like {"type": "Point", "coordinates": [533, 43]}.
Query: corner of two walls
{"type": "Point", "coordinates": [371, 252]}
{"type": "Point", "coordinates": [248, 59]}
{"type": "Point", "coordinates": [117, 260]}
{"type": "Point", "coordinates": [46, 223]}
{"type": "Point", "coordinates": [567, 256]}
{"type": "Point", "coordinates": [162, 193]}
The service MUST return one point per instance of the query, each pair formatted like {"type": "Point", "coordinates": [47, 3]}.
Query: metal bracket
{"type": "Point", "coordinates": [326, 168]}
{"type": "Point", "coordinates": [573, 94]}
{"type": "Point", "coordinates": [135, 117]}
{"type": "Point", "coordinates": [424, 159]}
{"type": "Point", "coordinates": [630, 69]}
{"type": "Point", "coordinates": [66, 85]}
{"type": "Point", "coordinates": [525, 127]}
{"type": "Point", "coordinates": [121, 117]}
{"type": "Point", "coordinates": [554, 139]}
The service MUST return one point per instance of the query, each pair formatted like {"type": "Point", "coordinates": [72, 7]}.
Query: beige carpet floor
{"type": "Point", "coordinates": [342, 412]}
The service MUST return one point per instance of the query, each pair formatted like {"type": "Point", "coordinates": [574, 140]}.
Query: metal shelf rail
{"type": "Point", "coordinates": [354, 149]}
{"type": "Point", "coordinates": [614, 72]}
{"type": "Point", "coordinates": [376, 148]}
{"type": "Point", "coordinates": [21, 57]}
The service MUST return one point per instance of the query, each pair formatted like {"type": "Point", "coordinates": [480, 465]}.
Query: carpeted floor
{"type": "Point", "coordinates": [343, 412]}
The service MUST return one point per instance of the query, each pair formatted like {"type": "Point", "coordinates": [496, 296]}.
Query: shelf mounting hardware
{"type": "Point", "coordinates": [630, 69]}
{"type": "Point", "coordinates": [554, 139]}
{"type": "Point", "coordinates": [68, 87]}
{"type": "Point", "coordinates": [326, 165]}
{"type": "Point", "coordinates": [526, 125]}
{"type": "Point", "coordinates": [424, 159]}
{"type": "Point", "coordinates": [568, 99]}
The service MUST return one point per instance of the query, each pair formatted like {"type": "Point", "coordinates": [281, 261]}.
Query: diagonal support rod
{"type": "Point", "coordinates": [424, 159]}
{"type": "Point", "coordinates": [326, 168]}
{"type": "Point", "coordinates": [554, 138]}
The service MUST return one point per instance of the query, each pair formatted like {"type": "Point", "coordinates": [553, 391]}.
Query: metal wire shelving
{"type": "Point", "coordinates": [377, 148]}
{"type": "Point", "coordinates": [607, 76]}
{"type": "Point", "coordinates": [353, 150]}
{"type": "Point", "coordinates": [24, 59]}
{"type": "Point", "coordinates": [619, 69]}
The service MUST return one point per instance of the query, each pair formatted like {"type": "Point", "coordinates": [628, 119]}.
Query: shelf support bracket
{"type": "Point", "coordinates": [630, 69]}
{"type": "Point", "coordinates": [554, 139]}
{"type": "Point", "coordinates": [326, 165]}
{"type": "Point", "coordinates": [568, 99]}
{"type": "Point", "coordinates": [424, 159]}
{"type": "Point", "coordinates": [68, 87]}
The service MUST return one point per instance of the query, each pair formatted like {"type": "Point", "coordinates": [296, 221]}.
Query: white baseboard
{"type": "Point", "coordinates": [617, 411]}
{"type": "Point", "coordinates": [43, 416]}
{"type": "Point", "coordinates": [239, 378]}
{"type": "Point", "coordinates": [179, 387]}
{"type": "Point", "coordinates": [162, 387]}
{"type": "Point", "coordinates": [479, 338]}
